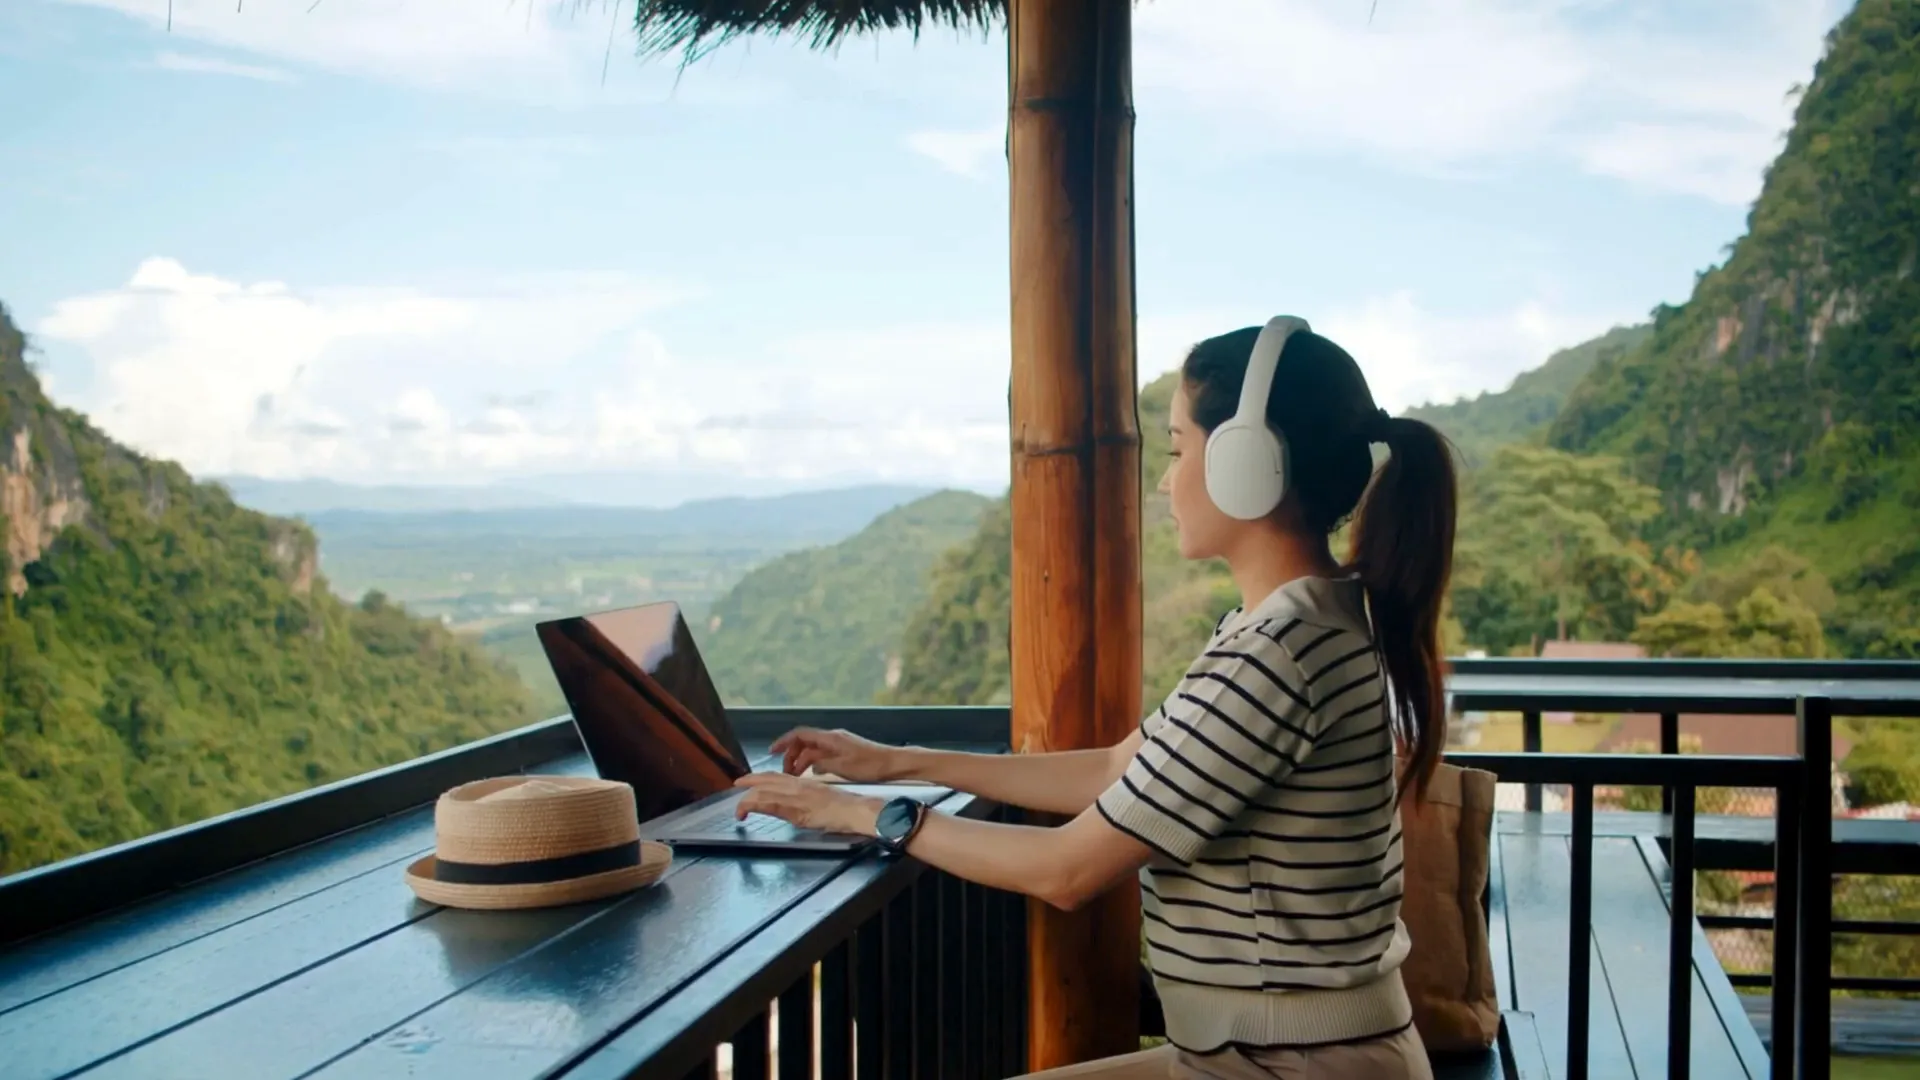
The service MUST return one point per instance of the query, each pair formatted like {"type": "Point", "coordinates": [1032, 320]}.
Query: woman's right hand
{"type": "Point", "coordinates": [839, 753]}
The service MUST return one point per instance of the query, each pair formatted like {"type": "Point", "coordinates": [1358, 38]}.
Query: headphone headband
{"type": "Point", "coordinates": [1258, 384]}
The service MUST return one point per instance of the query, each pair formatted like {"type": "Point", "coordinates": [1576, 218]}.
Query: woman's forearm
{"type": "Point", "coordinates": [1064, 866]}
{"type": "Point", "coordinates": [1064, 782]}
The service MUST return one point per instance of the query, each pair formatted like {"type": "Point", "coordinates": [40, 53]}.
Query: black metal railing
{"type": "Point", "coordinates": [923, 976]}
{"type": "Point", "coordinates": [877, 978]}
{"type": "Point", "coordinates": [1798, 925]}
{"type": "Point", "coordinates": [1871, 692]}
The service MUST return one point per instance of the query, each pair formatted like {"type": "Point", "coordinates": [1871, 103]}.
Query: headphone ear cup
{"type": "Point", "coordinates": [1245, 469]}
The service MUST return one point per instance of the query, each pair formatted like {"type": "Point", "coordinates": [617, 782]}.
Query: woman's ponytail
{"type": "Point", "coordinates": [1403, 553]}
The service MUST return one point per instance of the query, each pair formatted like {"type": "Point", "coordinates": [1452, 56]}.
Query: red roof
{"type": "Point", "coordinates": [1721, 734]}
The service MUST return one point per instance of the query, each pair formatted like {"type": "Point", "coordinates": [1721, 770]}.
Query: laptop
{"type": "Point", "coordinates": [649, 716]}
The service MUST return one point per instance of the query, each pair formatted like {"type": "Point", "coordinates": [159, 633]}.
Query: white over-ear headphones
{"type": "Point", "coordinates": [1246, 458]}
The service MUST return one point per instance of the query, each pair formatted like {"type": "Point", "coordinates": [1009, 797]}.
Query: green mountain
{"type": "Point", "coordinates": [955, 648]}
{"type": "Point", "coordinates": [166, 656]}
{"type": "Point", "coordinates": [1527, 407]}
{"type": "Point", "coordinates": [1780, 405]}
{"type": "Point", "coordinates": [821, 626]}
{"type": "Point", "coordinates": [1741, 477]}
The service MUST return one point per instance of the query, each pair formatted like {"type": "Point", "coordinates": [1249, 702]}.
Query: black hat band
{"type": "Point", "coordinates": [539, 871]}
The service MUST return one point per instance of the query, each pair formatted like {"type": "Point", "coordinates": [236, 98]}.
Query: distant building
{"type": "Point", "coordinates": [1586, 650]}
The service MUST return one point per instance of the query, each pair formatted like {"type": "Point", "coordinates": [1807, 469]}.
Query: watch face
{"type": "Point", "coordinates": [895, 819]}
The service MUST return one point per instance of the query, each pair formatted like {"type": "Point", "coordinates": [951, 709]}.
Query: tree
{"type": "Point", "coordinates": [1884, 765]}
{"type": "Point", "coordinates": [1553, 543]}
{"type": "Point", "coordinates": [1774, 568]}
{"type": "Point", "coordinates": [1760, 624]}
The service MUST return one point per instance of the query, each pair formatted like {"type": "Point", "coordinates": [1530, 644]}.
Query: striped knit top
{"type": "Point", "coordinates": [1265, 787]}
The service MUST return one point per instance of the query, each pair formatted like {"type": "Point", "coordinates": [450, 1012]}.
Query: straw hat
{"type": "Point", "coordinates": [535, 841]}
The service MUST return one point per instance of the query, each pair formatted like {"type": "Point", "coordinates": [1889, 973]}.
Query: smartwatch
{"type": "Point", "coordinates": [899, 820]}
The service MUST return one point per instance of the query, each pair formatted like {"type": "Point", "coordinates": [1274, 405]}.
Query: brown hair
{"type": "Point", "coordinates": [1403, 538]}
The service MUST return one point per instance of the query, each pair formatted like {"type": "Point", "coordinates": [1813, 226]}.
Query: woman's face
{"type": "Point", "coordinates": [1204, 530]}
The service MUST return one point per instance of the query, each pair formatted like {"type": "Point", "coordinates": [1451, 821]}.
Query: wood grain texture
{"type": "Point", "coordinates": [1630, 931]}
{"type": "Point", "coordinates": [1538, 877]}
{"type": "Point", "coordinates": [1075, 638]}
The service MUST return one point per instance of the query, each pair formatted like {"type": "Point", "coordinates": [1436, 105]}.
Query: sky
{"type": "Point", "coordinates": [449, 242]}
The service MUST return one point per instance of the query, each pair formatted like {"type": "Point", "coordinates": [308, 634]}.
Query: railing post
{"type": "Point", "coordinates": [1680, 938]}
{"type": "Point", "coordinates": [1815, 724]}
{"type": "Point", "coordinates": [752, 1054]}
{"type": "Point", "coordinates": [795, 1026]}
{"type": "Point", "coordinates": [1580, 933]}
{"type": "Point", "coordinates": [1669, 746]}
{"type": "Point", "coordinates": [1530, 742]}
{"type": "Point", "coordinates": [836, 1012]}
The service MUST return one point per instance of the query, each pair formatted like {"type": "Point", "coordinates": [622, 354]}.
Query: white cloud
{"type": "Point", "coordinates": [1724, 164]}
{"type": "Point", "coordinates": [549, 374]}
{"type": "Point", "coordinates": [1623, 88]}
{"type": "Point", "coordinates": [1409, 354]}
{"type": "Point", "coordinates": [556, 51]}
{"type": "Point", "coordinates": [208, 65]}
{"type": "Point", "coordinates": [263, 378]}
{"type": "Point", "coordinates": [969, 153]}
{"type": "Point", "coordinates": [568, 374]}
{"type": "Point", "coordinates": [1412, 356]}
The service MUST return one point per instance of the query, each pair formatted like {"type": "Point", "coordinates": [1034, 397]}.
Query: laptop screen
{"type": "Point", "coordinates": [645, 707]}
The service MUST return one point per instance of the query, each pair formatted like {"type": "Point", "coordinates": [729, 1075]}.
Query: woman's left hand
{"type": "Point", "coordinates": [807, 803]}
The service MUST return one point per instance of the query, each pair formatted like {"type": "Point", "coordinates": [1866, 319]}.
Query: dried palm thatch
{"type": "Point", "coordinates": [694, 27]}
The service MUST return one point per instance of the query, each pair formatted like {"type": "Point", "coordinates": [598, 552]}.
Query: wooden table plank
{"type": "Point", "coordinates": [36, 969]}
{"type": "Point", "coordinates": [1498, 944]}
{"type": "Point", "coordinates": [86, 1023]}
{"type": "Point", "coordinates": [125, 1006]}
{"type": "Point", "coordinates": [542, 1009]}
{"type": "Point", "coordinates": [1630, 931]}
{"type": "Point", "coordinates": [1521, 1055]}
{"type": "Point", "coordinates": [1539, 872]}
{"type": "Point", "coordinates": [306, 1021]}
{"type": "Point", "coordinates": [1739, 1024]}
{"type": "Point", "coordinates": [39, 968]}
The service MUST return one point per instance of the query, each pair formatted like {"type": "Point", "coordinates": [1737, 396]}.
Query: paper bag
{"type": "Point", "coordinates": [1449, 972]}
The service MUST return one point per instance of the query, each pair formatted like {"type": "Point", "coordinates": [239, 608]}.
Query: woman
{"type": "Point", "coordinates": [1258, 804]}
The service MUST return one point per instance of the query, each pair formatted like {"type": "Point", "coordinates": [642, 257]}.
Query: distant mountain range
{"type": "Point", "coordinates": [305, 497]}
{"type": "Point", "coordinates": [806, 516]}
{"type": "Point", "coordinates": [655, 491]}
{"type": "Point", "coordinates": [822, 625]}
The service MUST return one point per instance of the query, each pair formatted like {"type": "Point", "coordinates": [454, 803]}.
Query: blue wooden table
{"type": "Point", "coordinates": [320, 962]}
{"type": "Point", "coordinates": [306, 955]}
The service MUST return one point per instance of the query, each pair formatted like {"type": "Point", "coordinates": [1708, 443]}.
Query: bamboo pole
{"type": "Point", "coordinates": [1076, 650]}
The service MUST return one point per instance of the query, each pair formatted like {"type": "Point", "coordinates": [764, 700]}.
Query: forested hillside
{"type": "Point", "coordinates": [1525, 409]}
{"type": "Point", "coordinates": [822, 626]}
{"type": "Point", "coordinates": [166, 656]}
{"type": "Point", "coordinates": [955, 651]}
{"type": "Point", "coordinates": [1741, 478]}
{"type": "Point", "coordinates": [1780, 405]}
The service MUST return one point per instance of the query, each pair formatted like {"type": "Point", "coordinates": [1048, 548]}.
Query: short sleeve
{"type": "Point", "coordinates": [1237, 724]}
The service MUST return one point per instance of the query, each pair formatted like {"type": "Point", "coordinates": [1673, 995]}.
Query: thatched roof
{"type": "Point", "coordinates": [692, 27]}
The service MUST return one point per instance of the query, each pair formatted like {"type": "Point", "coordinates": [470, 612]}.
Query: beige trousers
{"type": "Point", "coordinates": [1395, 1057]}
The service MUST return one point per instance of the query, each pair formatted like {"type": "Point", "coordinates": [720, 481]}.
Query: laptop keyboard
{"type": "Point", "coordinates": [718, 820]}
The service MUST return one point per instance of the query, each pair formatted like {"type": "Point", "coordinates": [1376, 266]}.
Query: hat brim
{"type": "Point", "coordinates": [654, 859]}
